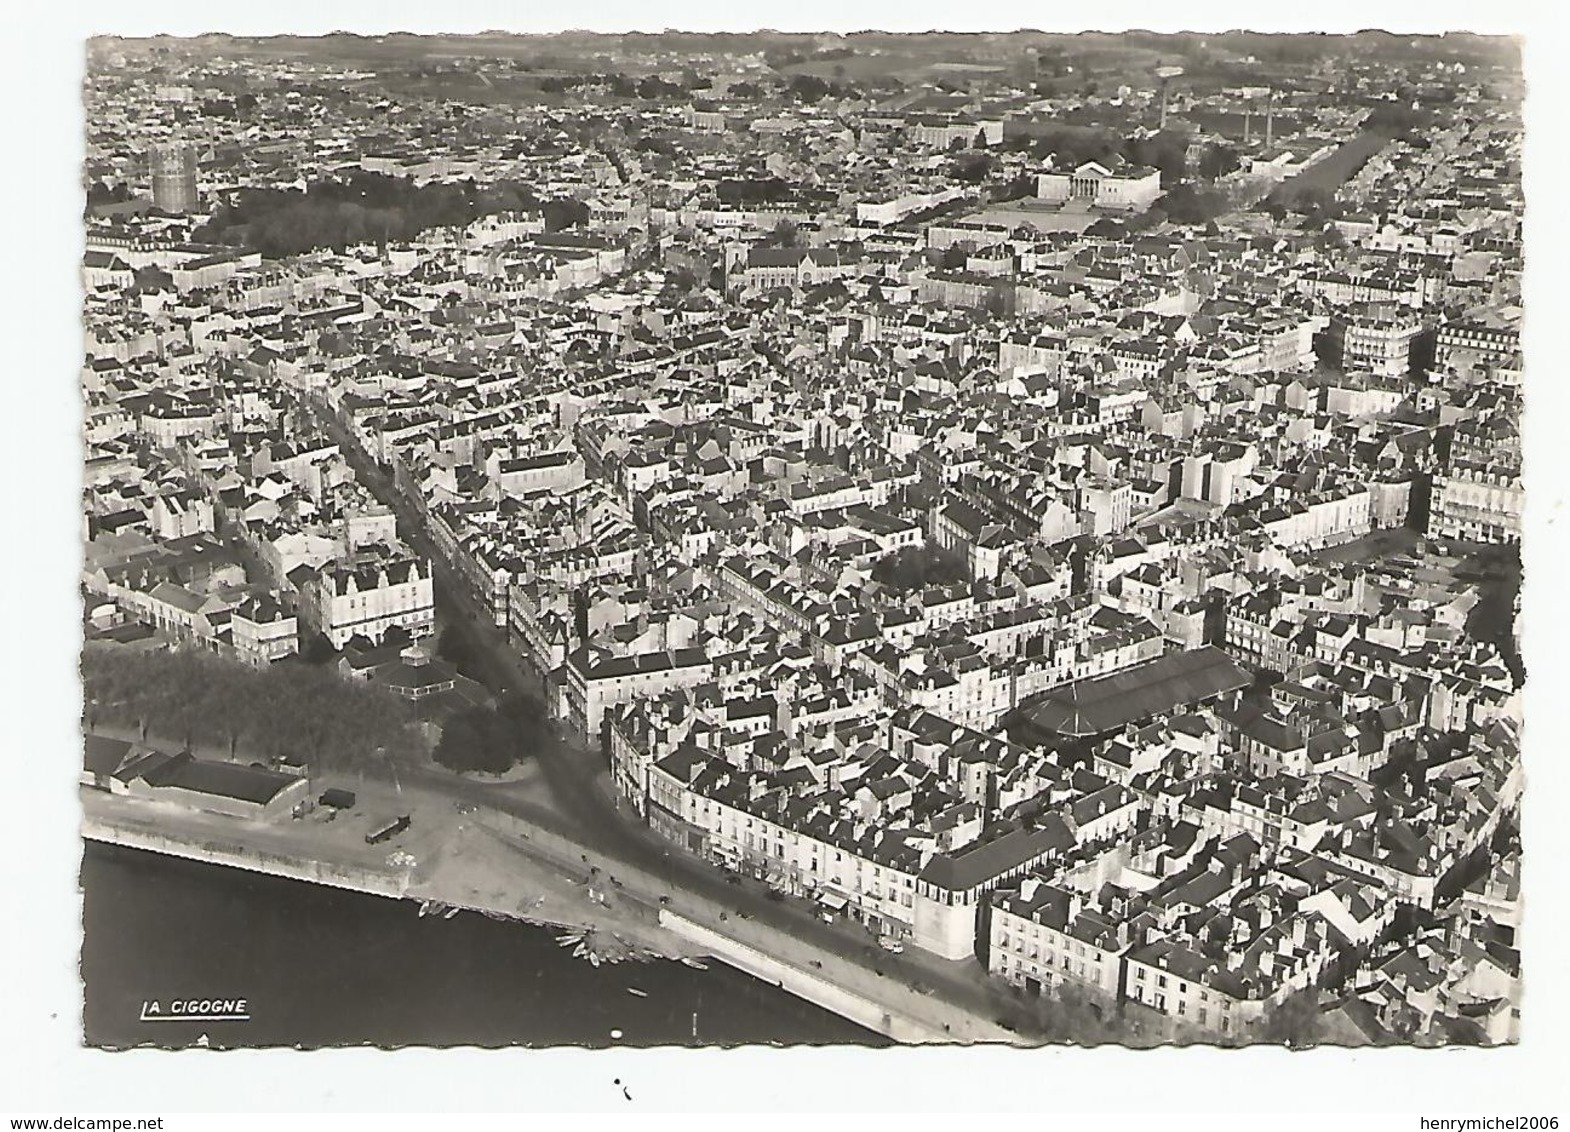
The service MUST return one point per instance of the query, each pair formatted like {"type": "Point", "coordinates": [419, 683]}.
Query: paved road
{"type": "Point", "coordinates": [578, 802]}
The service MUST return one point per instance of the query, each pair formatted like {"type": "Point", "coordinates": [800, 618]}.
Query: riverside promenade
{"type": "Point", "coordinates": [446, 858]}
{"type": "Point", "coordinates": [905, 1010]}
{"type": "Point", "coordinates": [473, 857]}
{"type": "Point", "coordinates": [888, 1006]}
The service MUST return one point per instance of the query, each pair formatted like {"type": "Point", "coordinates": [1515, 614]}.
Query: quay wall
{"type": "Point", "coordinates": [388, 883]}
{"type": "Point", "coordinates": [819, 991]}
{"type": "Point", "coordinates": [689, 937]}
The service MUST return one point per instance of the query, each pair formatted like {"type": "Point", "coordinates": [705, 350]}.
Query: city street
{"type": "Point", "coordinates": [577, 802]}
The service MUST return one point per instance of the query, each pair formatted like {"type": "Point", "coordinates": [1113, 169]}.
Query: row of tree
{"type": "Point", "coordinates": [1068, 1014]}
{"type": "Point", "coordinates": [649, 87]}
{"type": "Point", "coordinates": [369, 208]}
{"type": "Point", "coordinates": [238, 107]}
{"type": "Point", "coordinates": [753, 190]}
{"type": "Point", "coordinates": [101, 193]}
{"type": "Point", "coordinates": [810, 88]}
{"type": "Point", "coordinates": [195, 699]}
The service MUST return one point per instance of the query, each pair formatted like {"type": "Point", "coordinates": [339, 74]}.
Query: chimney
{"type": "Point", "coordinates": [1270, 118]}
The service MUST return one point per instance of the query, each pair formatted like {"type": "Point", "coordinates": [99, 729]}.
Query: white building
{"type": "Point", "coordinates": [370, 594]}
{"type": "Point", "coordinates": [262, 631]}
{"type": "Point", "coordinates": [590, 683]}
{"type": "Point", "coordinates": [1475, 503]}
{"type": "Point", "coordinates": [1132, 189]}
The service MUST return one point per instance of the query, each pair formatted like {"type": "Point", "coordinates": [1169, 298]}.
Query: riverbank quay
{"type": "Point", "coordinates": [443, 860]}
{"type": "Point", "coordinates": [889, 1006]}
{"type": "Point", "coordinates": [497, 864]}
{"type": "Point", "coordinates": [896, 996]}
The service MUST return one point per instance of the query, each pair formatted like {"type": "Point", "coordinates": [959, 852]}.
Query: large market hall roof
{"type": "Point", "coordinates": [1104, 704]}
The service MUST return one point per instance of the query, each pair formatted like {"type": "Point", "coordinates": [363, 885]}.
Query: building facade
{"type": "Point", "coordinates": [1128, 190]}
{"type": "Point", "coordinates": [369, 598]}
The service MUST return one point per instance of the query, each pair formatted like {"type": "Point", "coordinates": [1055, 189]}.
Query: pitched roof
{"type": "Point", "coordinates": [224, 780]}
{"type": "Point", "coordinates": [979, 864]}
{"type": "Point", "coordinates": [102, 755]}
{"type": "Point", "coordinates": [1107, 703]}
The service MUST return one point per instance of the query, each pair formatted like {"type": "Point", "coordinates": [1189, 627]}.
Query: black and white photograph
{"type": "Point", "coordinates": [846, 539]}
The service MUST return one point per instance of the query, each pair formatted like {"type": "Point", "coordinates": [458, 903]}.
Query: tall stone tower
{"type": "Point", "coordinates": [174, 177]}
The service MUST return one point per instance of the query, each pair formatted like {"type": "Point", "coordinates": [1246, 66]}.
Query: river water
{"type": "Point", "coordinates": [322, 967]}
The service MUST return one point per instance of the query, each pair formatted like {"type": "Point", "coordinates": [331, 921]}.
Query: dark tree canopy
{"type": "Point", "coordinates": [916, 567]}
{"type": "Point", "coordinates": [563, 214]}
{"type": "Point", "coordinates": [493, 739]}
{"type": "Point", "coordinates": [1187, 204]}
{"type": "Point", "coordinates": [454, 647]}
{"type": "Point", "coordinates": [1217, 160]}
{"type": "Point", "coordinates": [100, 193]}
{"type": "Point", "coordinates": [290, 709]}
{"type": "Point", "coordinates": [759, 190]}
{"type": "Point", "coordinates": [973, 166]}
{"type": "Point", "coordinates": [368, 208]}
{"type": "Point", "coordinates": [1069, 1013]}
{"type": "Point", "coordinates": [475, 740]}
{"type": "Point", "coordinates": [784, 235]}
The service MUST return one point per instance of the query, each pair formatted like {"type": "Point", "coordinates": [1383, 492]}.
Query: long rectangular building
{"type": "Point", "coordinates": [1103, 705]}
